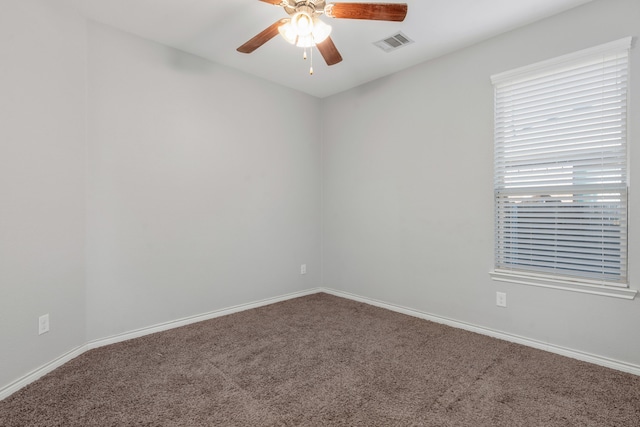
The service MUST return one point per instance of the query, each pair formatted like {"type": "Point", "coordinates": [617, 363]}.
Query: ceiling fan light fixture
{"type": "Point", "coordinates": [287, 32]}
{"type": "Point", "coordinates": [303, 31]}
{"type": "Point", "coordinates": [302, 23]}
{"type": "Point", "coordinates": [305, 41]}
{"type": "Point", "coordinates": [320, 31]}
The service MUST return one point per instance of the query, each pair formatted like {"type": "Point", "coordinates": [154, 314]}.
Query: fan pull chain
{"type": "Point", "coordinates": [304, 56]}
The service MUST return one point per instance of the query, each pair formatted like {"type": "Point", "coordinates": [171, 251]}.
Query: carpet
{"type": "Point", "coordinates": [321, 360]}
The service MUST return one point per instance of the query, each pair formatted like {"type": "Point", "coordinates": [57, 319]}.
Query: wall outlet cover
{"type": "Point", "coordinates": [501, 299]}
{"type": "Point", "coordinates": [43, 324]}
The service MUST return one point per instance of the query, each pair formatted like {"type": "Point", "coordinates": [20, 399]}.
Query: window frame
{"type": "Point", "coordinates": [519, 275]}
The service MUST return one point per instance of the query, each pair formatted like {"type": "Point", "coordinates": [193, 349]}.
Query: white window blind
{"type": "Point", "coordinates": [560, 178]}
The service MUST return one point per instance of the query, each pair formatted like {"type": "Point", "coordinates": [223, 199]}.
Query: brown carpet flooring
{"type": "Point", "coordinates": [324, 361]}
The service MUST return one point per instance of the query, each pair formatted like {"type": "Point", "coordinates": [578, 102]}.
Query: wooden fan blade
{"type": "Point", "coordinates": [263, 37]}
{"type": "Point", "coordinates": [329, 51]}
{"type": "Point", "coordinates": [274, 2]}
{"type": "Point", "coordinates": [374, 11]}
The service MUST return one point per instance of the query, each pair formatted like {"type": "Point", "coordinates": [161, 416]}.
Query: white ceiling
{"type": "Point", "coordinates": [213, 29]}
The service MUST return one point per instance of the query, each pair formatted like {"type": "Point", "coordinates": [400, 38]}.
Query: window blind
{"type": "Point", "coordinates": [560, 177]}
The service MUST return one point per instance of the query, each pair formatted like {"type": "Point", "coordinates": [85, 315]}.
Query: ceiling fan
{"type": "Point", "coordinates": [305, 29]}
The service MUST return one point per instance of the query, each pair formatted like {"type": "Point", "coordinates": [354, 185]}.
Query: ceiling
{"type": "Point", "coordinates": [213, 29]}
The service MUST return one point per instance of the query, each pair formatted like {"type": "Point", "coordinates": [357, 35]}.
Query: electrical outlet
{"type": "Point", "coordinates": [303, 269]}
{"type": "Point", "coordinates": [43, 324]}
{"type": "Point", "coordinates": [501, 299]}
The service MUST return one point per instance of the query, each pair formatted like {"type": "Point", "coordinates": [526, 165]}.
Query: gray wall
{"type": "Point", "coordinates": [140, 185]}
{"type": "Point", "coordinates": [204, 186]}
{"type": "Point", "coordinates": [42, 177]}
{"type": "Point", "coordinates": [408, 198]}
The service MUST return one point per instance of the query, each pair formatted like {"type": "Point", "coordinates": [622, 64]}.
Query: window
{"type": "Point", "coordinates": [560, 178]}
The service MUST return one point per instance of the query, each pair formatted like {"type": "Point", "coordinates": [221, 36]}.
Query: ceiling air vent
{"type": "Point", "coordinates": [394, 42]}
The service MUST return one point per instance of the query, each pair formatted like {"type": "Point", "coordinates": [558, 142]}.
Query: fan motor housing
{"type": "Point", "coordinates": [311, 7]}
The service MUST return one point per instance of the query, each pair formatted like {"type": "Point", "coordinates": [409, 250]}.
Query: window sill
{"type": "Point", "coordinates": [577, 285]}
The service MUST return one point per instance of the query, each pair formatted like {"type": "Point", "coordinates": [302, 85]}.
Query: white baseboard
{"type": "Point", "coordinates": [11, 388]}
{"type": "Point", "coordinates": [40, 372]}
{"type": "Point", "coordinates": [194, 319]}
{"type": "Point", "coordinates": [32, 376]}
{"type": "Point", "coordinates": [563, 351]}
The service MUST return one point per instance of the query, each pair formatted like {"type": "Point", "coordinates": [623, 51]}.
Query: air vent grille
{"type": "Point", "coordinates": [393, 42]}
